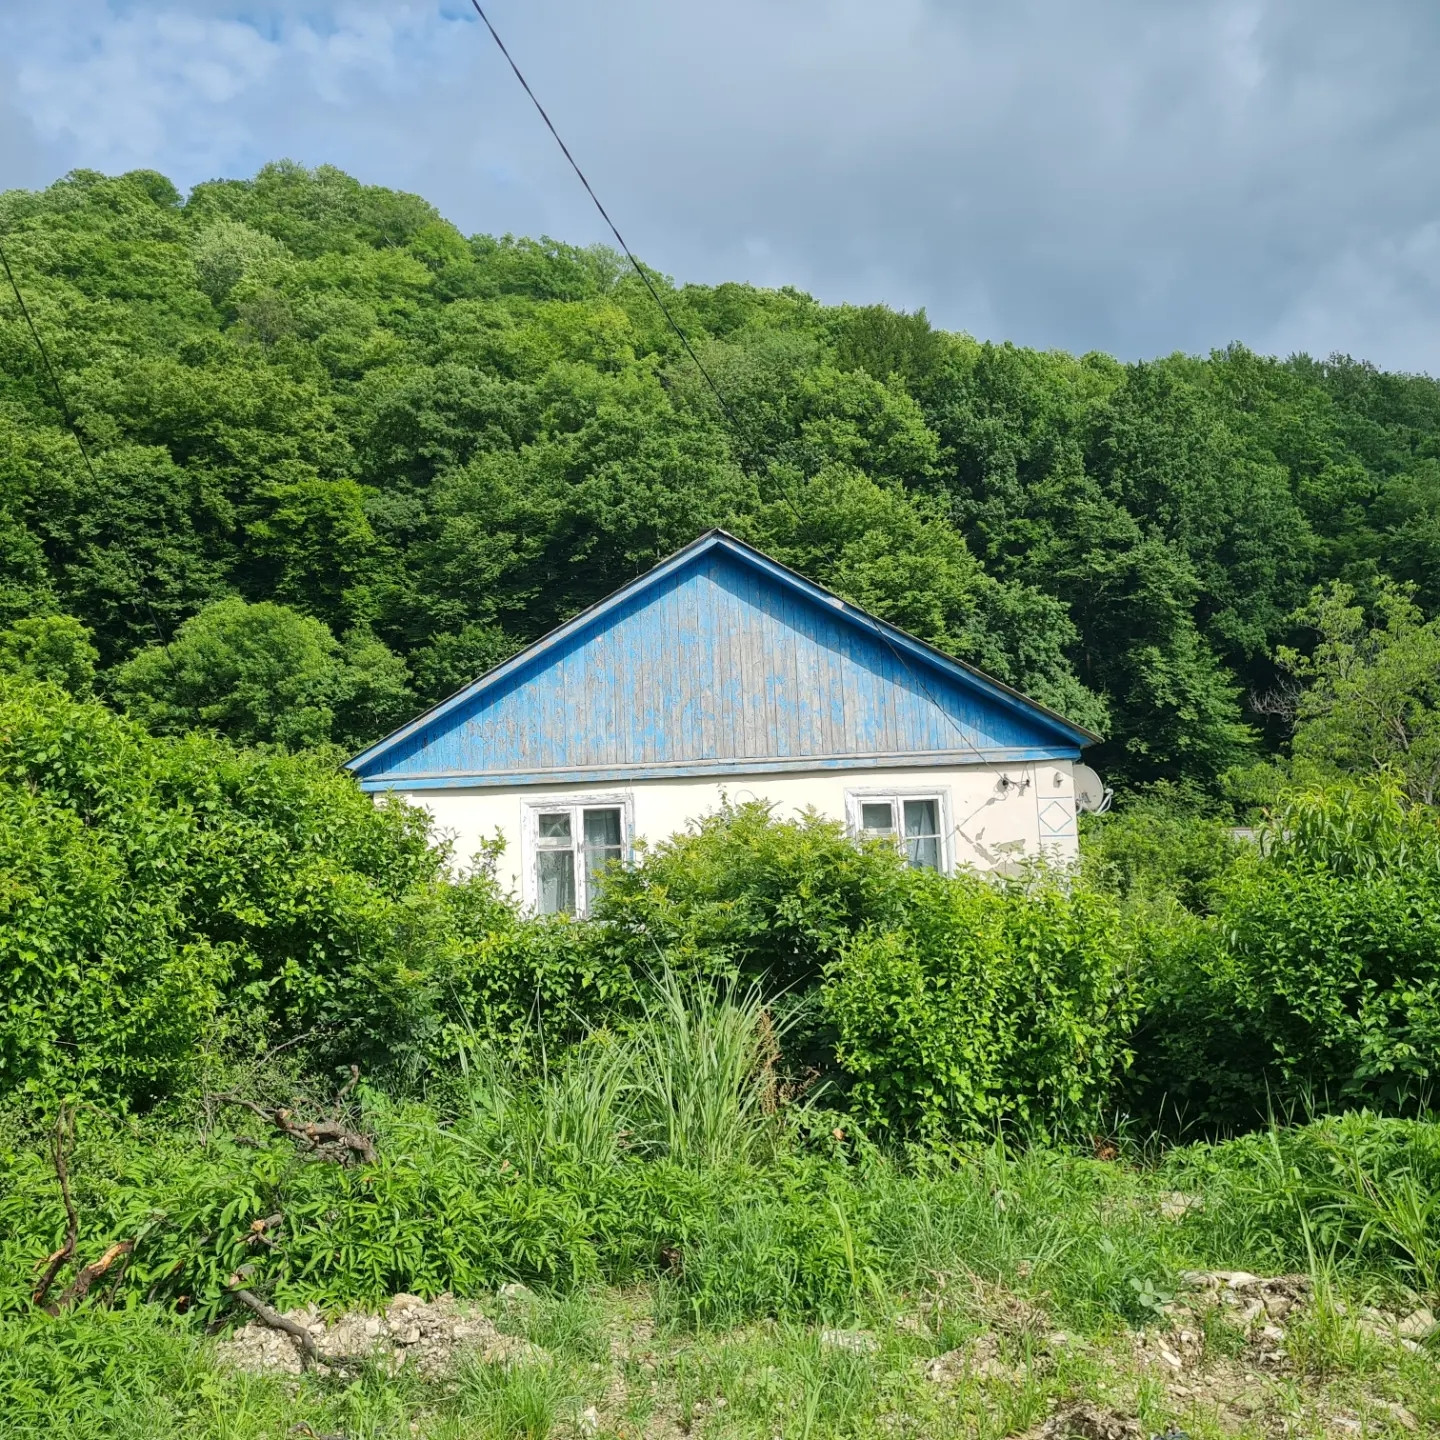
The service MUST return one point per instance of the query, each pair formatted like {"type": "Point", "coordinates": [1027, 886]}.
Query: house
{"type": "Point", "coordinates": [723, 674]}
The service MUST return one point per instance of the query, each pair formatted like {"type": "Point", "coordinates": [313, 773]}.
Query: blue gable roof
{"type": "Point", "coordinates": [719, 661]}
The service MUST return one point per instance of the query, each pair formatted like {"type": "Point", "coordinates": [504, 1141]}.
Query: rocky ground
{"type": "Point", "coordinates": [1233, 1354]}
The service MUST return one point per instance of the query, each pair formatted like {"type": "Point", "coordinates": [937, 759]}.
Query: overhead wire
{"type": "Point", "coordinates": [70, 421]}
{"type": "Point", "coordinates": [605, 216]}
{"type": "Point", "coordinates": [49, 368]}
{"type": "Point", "coordinates": [689, 348]}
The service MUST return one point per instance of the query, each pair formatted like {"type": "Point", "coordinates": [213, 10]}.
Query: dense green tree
{"type": "Point", "coordinates": [265, 673]}
{"type": "Point", "coordinates": [55, 648]}
{"type": "Point", "coordinates": [1371, 698]}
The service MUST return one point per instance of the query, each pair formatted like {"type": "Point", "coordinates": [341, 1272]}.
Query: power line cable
{"type": "Point", "coordinates": [69, 415]}
{"type": "Point", "coordinates": [690, 349]}
{"type": "Point", "coordinates": [605, 216]}
{"type": "Point", "coordinates": [49, 368]}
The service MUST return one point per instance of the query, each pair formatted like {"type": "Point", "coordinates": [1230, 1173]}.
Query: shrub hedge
{"type": "Point", "coordinates": [168, 902]}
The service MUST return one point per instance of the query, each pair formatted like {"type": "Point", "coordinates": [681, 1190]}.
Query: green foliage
{"type": "Point", "coordinates": [265, 673]}
{"type": "Point", "coordinates": [452, 660]}
{"type": "Point", "coordinates": [56, 648]}
{"type": "Point", "coordinates": [988, 1002]}
{"type": "Point", "coordinates": [105, 989]}
{"type": "Point", "coordinates": [1356, 1189]}
{"type": "Point", "coordinates": [1317, 981]}
{"type": "Point", "coordinates": [1371, 705]}
{"type": "Point", "coordinates": [524, 1401]}
{"type": "Point", "coordinates": [705, 1067]}
{"type": "Point", "coordinates": [303, 390]}
{"type": "Point", "coordinates": [159, 894]}
{"type": "Point", "coordinates": [743, 893]}
{"type": "Point", "coordinates": [1159, 846]}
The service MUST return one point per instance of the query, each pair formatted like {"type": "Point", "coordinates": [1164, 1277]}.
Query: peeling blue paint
{"type": "Point", "coordinates": [719, 661]}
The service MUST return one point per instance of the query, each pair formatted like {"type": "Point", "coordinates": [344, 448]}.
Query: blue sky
{"type": "Point", "coordinates": [1136, 176]}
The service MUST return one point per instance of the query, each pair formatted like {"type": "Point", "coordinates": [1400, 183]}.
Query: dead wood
{"type": "Point", "coordinates": [332, 1139]}
{"type": "Point", "coordinates": [258, 1233]}
{"type": "Point", "coordinates": [309, 1351]}
{"type": "Point", "coordinates": [89, 1274]}
{"type": "Point", "coordinates": [64, 1124]}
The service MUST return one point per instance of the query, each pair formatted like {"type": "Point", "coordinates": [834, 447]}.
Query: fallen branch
{"type": "Point", "coordinates": [258, 1233]}
{"type": "Point", "coordinates": [89, 1274]}
{"type": "Point", "coordinates": [331, 1138]}
{"type": "Point", "coordinates": [64, 1122]}
{"type": "Point", "coordinates": [309, 1351]}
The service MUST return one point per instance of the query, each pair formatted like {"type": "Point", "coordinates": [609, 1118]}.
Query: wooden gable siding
{"type": "Point", "coordinates": [712, 668]}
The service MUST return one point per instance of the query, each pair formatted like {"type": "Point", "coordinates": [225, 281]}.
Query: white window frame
{"type": "Point", "coordinates": [854, 799]}
{"type": "Point", "coordinates": [531, 810]}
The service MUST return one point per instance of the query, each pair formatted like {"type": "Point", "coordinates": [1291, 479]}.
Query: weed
{"type": "Point", "coordinates": [521, 1401]}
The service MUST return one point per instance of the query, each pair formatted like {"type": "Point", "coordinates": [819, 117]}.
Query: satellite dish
{"type": "Point", "coordinates": [1092, 797]}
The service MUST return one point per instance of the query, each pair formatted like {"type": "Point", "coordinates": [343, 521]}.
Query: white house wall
{"type": "Point", "coordinates": [993, 815]}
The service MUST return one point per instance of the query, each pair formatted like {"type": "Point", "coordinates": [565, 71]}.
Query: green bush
{"type": "Point", "coordinates": [1317, 981]}
{"type": "Point", "coordinates": [744, 893]}
{"type": "Point", "coordinates": [159, 896]}
{"type": "Point", "coordinates": [1160, 845]}
{"type": "Point", "coordinates": [56, 648]}
{"type": "Point", "coordinates": [549, 976]}
{"type": "Point", "coordinates": [989, 1002]}
{"type": "Point", "coordinates": [104, 988]}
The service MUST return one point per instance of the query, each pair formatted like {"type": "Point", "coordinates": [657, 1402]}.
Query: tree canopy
{"type": "Point", "coordinates": [329, 428]}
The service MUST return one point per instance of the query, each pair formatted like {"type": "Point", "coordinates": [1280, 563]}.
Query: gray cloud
{"type": "Point", "coordinates": [1119, 176]}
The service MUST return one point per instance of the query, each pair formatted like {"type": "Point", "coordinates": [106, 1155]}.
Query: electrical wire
{"type": "Point", "coordinates": [605, 216]}
{"type": "Point", "coordinates": [69, 415]}
{"type": "Point", "coordinates": [689, 348]}
{"type": "Point", "coordinates": [49, 368]}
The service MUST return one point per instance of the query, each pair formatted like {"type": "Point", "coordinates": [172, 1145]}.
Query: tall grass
{"type": "Point", "coordinates": [515, 1114]}
{"type": "Point", "coordinates": [703, 1068]}
{"type": "Point", "coordinates": [692, 1082]}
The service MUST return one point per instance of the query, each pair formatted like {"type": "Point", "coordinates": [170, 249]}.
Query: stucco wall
{"type": "Point", "coordinates": [988, 822]}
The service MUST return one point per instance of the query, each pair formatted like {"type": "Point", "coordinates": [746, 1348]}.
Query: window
{"type": "Point", "coordinates": [573, 844]}
{"type": "Point", "coordinates": [915, 823]}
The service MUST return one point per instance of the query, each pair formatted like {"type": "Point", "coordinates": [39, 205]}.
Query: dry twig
{"type": "Point", "coordinates": [330, 1138]}
{"type": "Point", "coordinates": [64, 1125]}
{"type": "Point", "coordinates": [79, 1287]}
{"type": "Point", "coordinates": [89, 1274]}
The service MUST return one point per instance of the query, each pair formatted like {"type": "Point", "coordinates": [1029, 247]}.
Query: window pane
{"type": "Point", "coordinates": [596, 859]}
{"type": "Point", "coordinates": [922, 834]}
{"type": "Point", "coordinates": [555, 826]}
{"type": "Point", "coordinates": [602, 827]}
{"type": "Point", "coordinates": [920, 818]}
{"type": "Point", "coordinates": [877, 818]}
{"type": "Point", "coordinates": [603, 836]}
{"type": "Point", "coordinates": [557, 881]}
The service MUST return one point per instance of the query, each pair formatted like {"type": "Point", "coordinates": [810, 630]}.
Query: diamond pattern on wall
{"type": "Point", "coordinates": [1056, 818]}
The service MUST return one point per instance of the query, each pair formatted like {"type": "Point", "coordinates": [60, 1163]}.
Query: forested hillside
{"type": "Point", "coordinates": [373, 456]}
